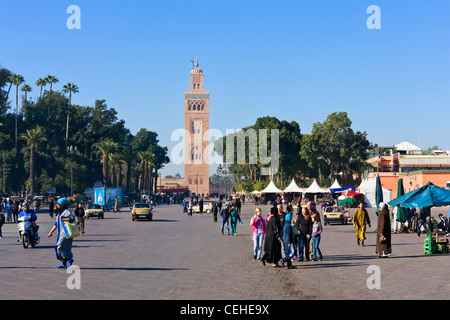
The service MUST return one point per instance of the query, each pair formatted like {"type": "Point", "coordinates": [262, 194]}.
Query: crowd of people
{"type": "Point", "coordinates": [285, 236]}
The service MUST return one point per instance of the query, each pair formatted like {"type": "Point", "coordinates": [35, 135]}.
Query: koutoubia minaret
{"type": "Point", "coordinates": [196, 122]}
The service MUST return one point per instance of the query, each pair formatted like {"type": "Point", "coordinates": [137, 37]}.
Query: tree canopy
{"type": "Point", "coordinates": [89, 127]}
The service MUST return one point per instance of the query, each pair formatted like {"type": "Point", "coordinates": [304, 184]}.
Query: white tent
{"type": "Point", "coordinates": [293, 188]}
{"type": "Point", "coordinates": [255, 192]}
{"type": "Point", "coordinates": [335, 185]}
{"type": "Point", "coordinates": [314, 188]}
{"type": "Point", "coordinates": [271, 188]}
{"type": "Point", "coordinates": [367, 187]}
{"type": "Point", "coordinates": [408, 148]}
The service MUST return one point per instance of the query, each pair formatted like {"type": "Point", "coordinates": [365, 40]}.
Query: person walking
{"type": "Point", "coordinates": [9, 211]}
{"type": "Point", "coordinates": [2, 222]}
{"type": "Point", "coordinates": [383, 240]}
{"type": "Point", "coordinates": [288, 241]}
{"type": "Point", "coordinates": [63, 245]}
{"type": "Point", "coordinates": [15, 210]}
{"type": "Point", "coordinates": [304, 229]}
{"type": "Point", "coordinates": [360, 220]}
{"type": "Point", "coordinates": [79, 217]}
{"type": "Point", "coordinates": [51, 208]}
{"type": "Point", "coordinates": [200, 204]}
{"type": "Point", "coordinates": [225, 215]}
{"type": "Point", "coordinates": [272, 242]}
{"type": "Point", "coordinates": [191, 208]}
{"type": "Point", "coordinates": [116, 205]}
{"type": "Point", "coordinates": [258, 233]}
{"type": "Point", "coordinates": [234, 214]}
{"type": "Point", "coordinates": [315, 236]}
{"type": "Point", "coordinates": [215, 210]}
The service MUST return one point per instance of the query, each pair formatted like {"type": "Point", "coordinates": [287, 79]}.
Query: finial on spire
{"type": "Point", "coordinates": [196, 62]}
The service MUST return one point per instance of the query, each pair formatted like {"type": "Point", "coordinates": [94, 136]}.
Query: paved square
{"type": "Point", "coordinates": [186, 258]}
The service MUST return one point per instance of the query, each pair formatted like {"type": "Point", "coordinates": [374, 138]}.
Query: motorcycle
{"type": "Point", "coordinates": [26, 234]}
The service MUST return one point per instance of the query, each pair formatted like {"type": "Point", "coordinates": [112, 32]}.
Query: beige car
{"type": "Point", "coordinates": [94, 210]}
{"type": "Point", "coordinates": [141, 210]}
{"type": "Point", "coordinates": [207, 207]}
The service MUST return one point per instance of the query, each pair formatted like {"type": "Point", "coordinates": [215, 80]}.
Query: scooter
{"type": "Point", "coordinates": [26, 235]}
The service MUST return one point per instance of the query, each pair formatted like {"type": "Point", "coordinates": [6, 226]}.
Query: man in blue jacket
{"type": "Point", "coordinates": [27, 212]}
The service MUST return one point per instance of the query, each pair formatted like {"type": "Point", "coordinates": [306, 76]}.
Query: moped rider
{"type": "Point", "coordinates": [27, 212]}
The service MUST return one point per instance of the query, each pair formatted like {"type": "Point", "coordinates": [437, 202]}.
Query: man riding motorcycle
{"type": "Point", "coordinates": [27, 212]}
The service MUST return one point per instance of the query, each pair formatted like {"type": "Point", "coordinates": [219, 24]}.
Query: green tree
{"type": "Point", "coordinates": [51, 80]}
{"type": "Point", "coordinates": [41, 83]}
{"type": "Point", "coordinates": [106, 147]}
{"type": "Point", "coordinates": [33, 137]}
{"type": "Point", "coordinates": [26, 88]}
{"type": "Point", "coordinates": [335, 145]}
{"type": "Point", "coordinates": [17, 80]}
{"type": "Point", "coordinates": [69, 88]}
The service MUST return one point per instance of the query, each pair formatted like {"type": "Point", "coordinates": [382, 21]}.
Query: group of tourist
{"type": "Point", "coordinates": [285, 236]}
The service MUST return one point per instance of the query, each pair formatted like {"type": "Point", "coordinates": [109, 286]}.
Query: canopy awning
{"type": "Point", "coordinates": [293, 188]}
{"type": "Point", "coordinates": [271, 188]}
{"type": "Point", "coordinates": [427, 196]}
{"type": "Point", "coordinates": [315, 188]}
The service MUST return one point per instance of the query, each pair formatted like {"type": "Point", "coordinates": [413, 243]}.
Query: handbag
{"type": "Point", "coordinates": [70, 229]}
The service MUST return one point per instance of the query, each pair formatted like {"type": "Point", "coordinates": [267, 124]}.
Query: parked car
{"type": "Point", "coordinates": [94, 210]}
{"type": "Point", "coordinates": [142, 210]}
{"type": "Point", "coordinates": [336, 214]}
{"type": "Point", "coordinates": [207, 207]}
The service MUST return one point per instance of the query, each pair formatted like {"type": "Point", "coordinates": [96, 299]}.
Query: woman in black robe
{"type": "Point", "coordinates": [272, 242]}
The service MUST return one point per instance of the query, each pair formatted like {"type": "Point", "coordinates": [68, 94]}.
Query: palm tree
{"type": "Point", "coordinates": [41, 83]}
{"type": "Point", "coordinates": [141, 155]}
{"type": "Point", "coordinates": [33, 137]}
{"type": "Point", "coordinates": [106, 146]}
{"type": "Point", "coordinates": [129, 155]}
{"type": "Point", "coordinates": [25, 88]}
{"type": "Point", "coordinates": [147, 159]}
{"type": "Point", "coordinates": [112, 162]}
{"type": "Point", "coordinates": [69, 87]}
{"type": "Point", "coordinates": [120, 162]}
{"type": "Point", "coordinates": [51, 79]}
{"type": "Point", "coordinates": [17, 80]}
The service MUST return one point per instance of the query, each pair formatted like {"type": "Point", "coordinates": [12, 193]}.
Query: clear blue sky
{"type": "Point", "coordinates": [295, 60]}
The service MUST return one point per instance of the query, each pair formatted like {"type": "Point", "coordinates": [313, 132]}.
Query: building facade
{"type": "Point", "coordinates": [406, 161]}
{"type": "Point", "coordinates": [196, 124]}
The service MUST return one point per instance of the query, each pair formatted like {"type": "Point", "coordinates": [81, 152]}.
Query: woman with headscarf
{"type": "Point", "coordinates": [383, 241]}
{"type": "Point", "coordinates": [272, 242]}
{"type": "Point", "coordinates": [63, 245]}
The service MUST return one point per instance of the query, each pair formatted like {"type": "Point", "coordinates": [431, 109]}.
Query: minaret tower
{"type": "Point", "coordinates": [196, 122]}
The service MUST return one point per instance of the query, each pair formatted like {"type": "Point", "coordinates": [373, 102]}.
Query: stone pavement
{"type": "Point", "coordinates": [176, 257]}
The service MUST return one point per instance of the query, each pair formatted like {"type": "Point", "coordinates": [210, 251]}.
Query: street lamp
{"type": "Point", "coordinates": [71, 151]}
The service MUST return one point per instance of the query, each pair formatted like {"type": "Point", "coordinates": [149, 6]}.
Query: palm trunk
{"type": "Point", "coordinates": [67, 124]}
{"type": "Point", "coordinates": [145, 177]}
{"type": "Point", "coordinates": [119, 173]}
{"type": "Point", "coordinates": [17, 111]}
{"type": "Point", "coordinates": [141, 178]}
{"type": "Point", "coordinates": [112, 176]}
{"type": "Point", "coordinates": [128, 175]}
{"type": "Point", "coordinates": [105, 170]}
{"type": "Point", "coordinates": [32, 152]}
